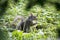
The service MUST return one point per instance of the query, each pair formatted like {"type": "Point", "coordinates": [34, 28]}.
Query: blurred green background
{"type": "Point", "coordinates": [48, 17]}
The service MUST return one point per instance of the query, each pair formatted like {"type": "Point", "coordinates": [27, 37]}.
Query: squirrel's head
{"type": "Point", "coordinates": [32, 17]}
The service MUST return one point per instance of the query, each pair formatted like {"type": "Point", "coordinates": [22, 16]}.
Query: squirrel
{"type": "Point", "coordinates": [25, 24]}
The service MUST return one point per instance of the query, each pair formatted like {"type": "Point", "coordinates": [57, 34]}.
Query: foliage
{"type": "Point", "coordinates": [26, 36]}
{"type": "Point", "coordinates": [4, 34]}
{"type": "Point", "coordinates": [48, 18]}
{"type": "Point", "coordinates": [19, 35]}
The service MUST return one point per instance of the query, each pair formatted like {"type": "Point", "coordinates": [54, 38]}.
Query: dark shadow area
{"type": "Point", "coordinates": [16, 1]}
{"type": "Point", "coordinates": [3, 7]}
{"type": "Point", "coordinates": [41, 27]}
{"type": "Point", "coordinates": [57, 6]}
{"type": "Point", "coordinates": [31, 3]}
{"type": "Point", "coordinates": [41, 2]}
{"type": "Point", "coordinates": [58, 32]}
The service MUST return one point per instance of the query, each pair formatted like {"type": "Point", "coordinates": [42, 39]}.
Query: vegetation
{"type": "Point", "coordinates": [4, 34]}
{"type": "Point", "coordinates": [48, 19]}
